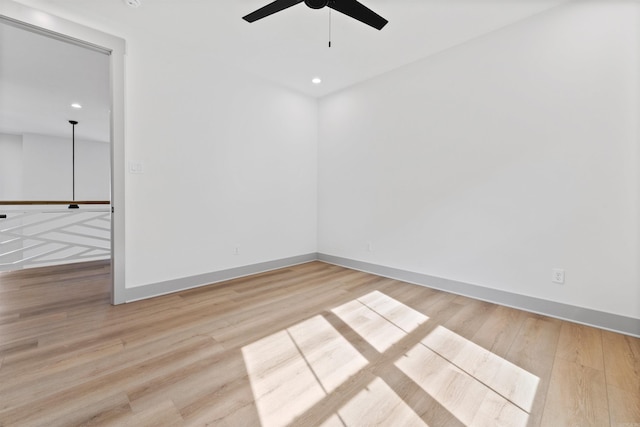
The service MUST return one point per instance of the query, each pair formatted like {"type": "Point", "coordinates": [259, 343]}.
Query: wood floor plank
{"type": "Point", "coordinates": [458, 393]}
{"type": "Point", "coordinates": [202, 396]}
{"type": "Point", "coordinates": [32, 326]}
{"type": "Point", "coordinates": [14, 375]}
{"type": "Point", "coordinates": [624, 407]}
{"type": "Point", "coordinates": [534, 350]}
{"type": "Point", "coordinates": [470, 318]}
{"type": "Point", "coordinates": [114, 370]}
{"type": "Point", "coordinates": [312, 344]}
{"type": "Point", "coordinates": [189, 382]}
{"type": "Point", "coordinates": [440, 307]}
{"type": "Point", "coordinates": [66, 411]}
{"type": "Point", "coordinates": [163, 414]}
{"type": "Point", "coordinates": [500, 329]}
{"type": "Point", "coordinates": [577, 397]}
{"type": "Point", "coordinates": [622, 361]}
{"type": "Point", "coordinates": [582, 345]}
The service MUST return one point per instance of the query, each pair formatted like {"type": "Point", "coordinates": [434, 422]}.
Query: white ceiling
{"type": "Point", "coordinates": [288, 48]}
{"type": "Point", "coordinates": [40, 77]}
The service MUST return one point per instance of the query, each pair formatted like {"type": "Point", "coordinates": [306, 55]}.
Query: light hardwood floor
{"type": "Point", "coordinates": [313, 344]}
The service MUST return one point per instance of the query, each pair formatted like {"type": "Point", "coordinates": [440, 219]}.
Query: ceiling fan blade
{"type": "Point", "coordinates": [270, 9]}
{"type": "Point", "coordinates": [358, 11]}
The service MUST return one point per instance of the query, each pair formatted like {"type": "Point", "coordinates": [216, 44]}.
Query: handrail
{"type": "Point", "coordinates": [53, 202]}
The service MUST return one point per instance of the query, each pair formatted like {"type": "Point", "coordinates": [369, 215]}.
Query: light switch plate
{"type": "Point", "coordinates": [136, 167]}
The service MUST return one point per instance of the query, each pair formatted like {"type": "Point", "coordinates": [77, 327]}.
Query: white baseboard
{"type": "Point", "coordinates": [170, 286]}
{"type": "Point", "coordinates": [599, 319]}
{"type": "Point", "coordinates": [585, 316]}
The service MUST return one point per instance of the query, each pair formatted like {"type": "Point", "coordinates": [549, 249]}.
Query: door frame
{"type": "Point", "coordinates": [68, 31]}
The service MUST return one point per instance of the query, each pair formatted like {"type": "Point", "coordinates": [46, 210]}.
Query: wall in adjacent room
{"type": "Point", "coordinates": [39, 167]}
{"type": "Point", "coordinates": [10, 167]}
{"type": "Point", "coordinates": [498, 160]}
{"type": "Point", "coordinates": [93, 170]}
{"type": "Point", "coordinates": [47, 169]}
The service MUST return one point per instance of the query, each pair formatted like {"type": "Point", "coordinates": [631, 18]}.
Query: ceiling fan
{"type": "Point", "coordinates": [351, 8]}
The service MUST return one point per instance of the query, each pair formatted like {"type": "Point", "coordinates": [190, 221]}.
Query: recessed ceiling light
{"type": "Point", "coordinates": [316, 80]}
{"type": "Point", "coordinates": [76, 105]}
{"type": "Point", "coordinates": [133, 3]}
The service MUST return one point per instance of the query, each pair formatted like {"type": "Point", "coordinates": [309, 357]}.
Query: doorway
{"type": "Point", "coordinates": [95, 44]}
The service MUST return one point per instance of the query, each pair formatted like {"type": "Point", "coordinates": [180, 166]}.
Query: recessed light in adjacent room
{"type": "Point", "coordinates": [76, 105]}
{"type": "Point", "coordinates": [316, 80]}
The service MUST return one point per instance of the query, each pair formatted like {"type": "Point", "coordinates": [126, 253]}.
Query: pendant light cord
{"type": "Point", "coordinates": [73, 162]}
{"type": "Point", "coordinates": [73, 205]}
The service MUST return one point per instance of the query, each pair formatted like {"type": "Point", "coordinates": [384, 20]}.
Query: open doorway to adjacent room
{"type": "Point", "coordinates": [61, 144]}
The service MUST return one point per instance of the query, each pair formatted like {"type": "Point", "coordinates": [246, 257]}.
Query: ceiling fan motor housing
{"type": "Point", "coordinates": [316, 4]}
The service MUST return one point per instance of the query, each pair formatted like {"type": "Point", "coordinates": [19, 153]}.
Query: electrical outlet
{"type": "Point", "coordinates": [236, 250]}
{"type": "Point", "coordinates": [557, 275]}
{"type": "Point", "coordinates": [369, 247]}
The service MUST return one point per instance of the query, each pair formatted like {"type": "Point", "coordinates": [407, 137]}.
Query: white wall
{"type": "Point", "coordinates": [93, 170]}
{"type": "Point", "coordinates": [490, 163]}
{"type": "Point", "coordinates": [47, 169]}
{"type": "Point", "coordinates": [496, 161]}
{"type": "Point", "coordinates": [10, 167]}
{"type": "Point", "coordinates": [229, 160]}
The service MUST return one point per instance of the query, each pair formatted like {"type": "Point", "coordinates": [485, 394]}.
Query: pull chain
{"type": "Point", "coordinates": [329, 27]}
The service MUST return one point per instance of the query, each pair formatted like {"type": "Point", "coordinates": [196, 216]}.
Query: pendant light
{"type": "Point", "coordinates": [73, 164]}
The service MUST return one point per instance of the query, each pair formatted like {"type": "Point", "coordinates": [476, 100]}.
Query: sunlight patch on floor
{"type": "Point", "coordinates": [329, 355]}
{"type": "Point", "coordinates": [514, 383]}
{"type": "Point", "coordinates": [377, 405]}
{"type": "Point", "coordinates": [466, 398]}
{"type": "Point", "coordinates": [300, 367]}
{"type": "Point", "coordinates": [379, 319]}
{"type": "Point", "coordinates": [292, 370]}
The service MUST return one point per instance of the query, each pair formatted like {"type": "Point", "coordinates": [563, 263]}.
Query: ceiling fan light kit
{"type": "Point", "coordinates": [351, 8]}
